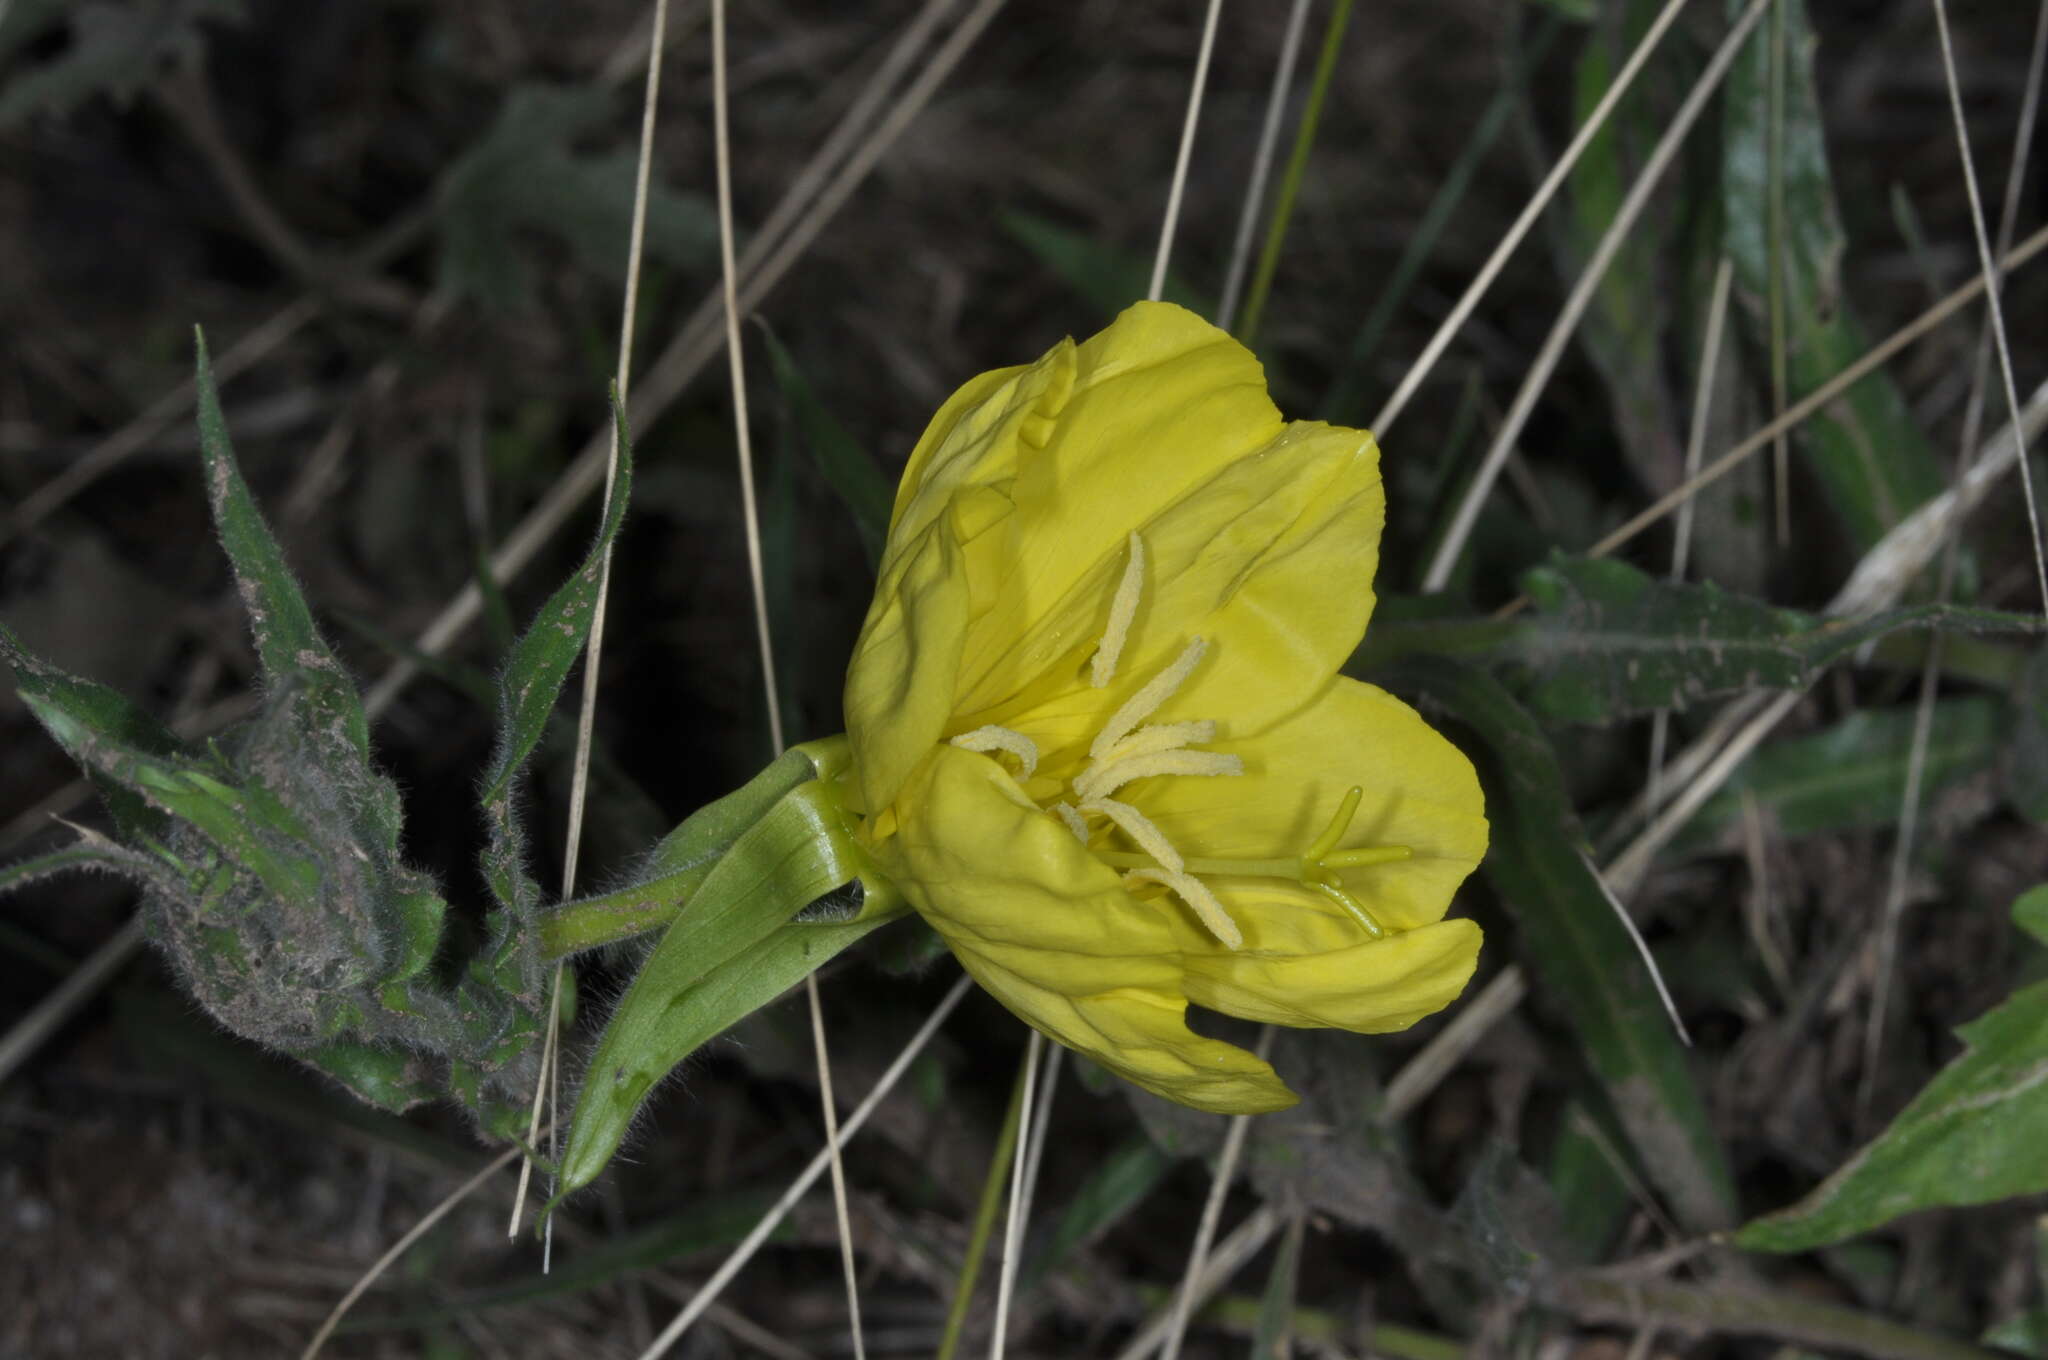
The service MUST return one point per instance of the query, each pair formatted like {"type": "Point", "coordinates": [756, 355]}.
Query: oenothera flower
{"type": "Point", "coordinates": [1098, 731]}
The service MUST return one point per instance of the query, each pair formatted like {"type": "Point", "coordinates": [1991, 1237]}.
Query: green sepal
{"type": "Point", "coordinates": [675, 868]}
{"type": "Point", "coordinates": [735, 947]}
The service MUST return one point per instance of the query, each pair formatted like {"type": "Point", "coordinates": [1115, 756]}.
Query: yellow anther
{"type": "Point", "coordinates": [1139, 706]}
{"type": "Point", "coordinates": [1122, 609]}
{"type": "Point", "coordinates": [992, 738]}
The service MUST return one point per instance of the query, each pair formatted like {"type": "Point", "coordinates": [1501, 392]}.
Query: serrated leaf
{"type": "Point", "coordinates": [530, 685]}
{"type": "Point", "coordinates": [287, 642]}
{"type": "Point", "coordinates": [845, 465]}
{"type": "Point", "coordinates": [1972, 1135]}
{"type": "Point", "coordinates": [1852, 775]}
{"type": "Point", "coordinates": [115, 50]}
{"type": "Point", "coordinates": [1581, 955]}
{"type": "Point", "coordinates": [525, 174]}
{"type": "Point", "coordinates": [1870, 457]}
{"type": "Point", "coordinates": [1611, 642]}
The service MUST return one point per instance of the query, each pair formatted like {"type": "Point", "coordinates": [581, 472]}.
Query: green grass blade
{"type": "Point", "coordinates": [1869, 457]}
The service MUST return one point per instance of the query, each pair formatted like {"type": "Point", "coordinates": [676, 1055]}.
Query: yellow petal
{"type": "Point", "coordinates": [899, 686]}
{"type": "Point", "coordinates": [1049, 931]}
{"type": "Point", "coordinates": [1419, 791]}
{"type": "Point", "coordinates": [1271, 560]}
{"type": "Point", "coordinates": [1372, 987]}
{"type": "Point", "coordinates": [1161, 402]}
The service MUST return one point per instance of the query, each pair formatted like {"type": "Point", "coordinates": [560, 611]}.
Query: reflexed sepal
{"type": "Point", "coordinates": [744, 934]}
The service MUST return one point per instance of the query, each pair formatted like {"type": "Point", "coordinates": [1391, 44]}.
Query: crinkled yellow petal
{"type": "Point", "coordinates": [899, 687]}
{"type": "Point", "coordinates": [1161, 402]}
{"type": "Point", "coordinates": [1419, 791]}
{"type": "Point", "coordinates": [1271, 560]}
{"type": "Point", "coordinates": [1050, 932]}
{"type": "Point", "coordinates": [1370, 987]}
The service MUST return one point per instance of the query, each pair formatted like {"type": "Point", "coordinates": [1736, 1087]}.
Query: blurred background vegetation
{"type": "Point", "coordinates": [407, 224]}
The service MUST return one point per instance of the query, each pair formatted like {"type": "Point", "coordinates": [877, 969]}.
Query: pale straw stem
{"type": "Point", "coordinates": [769, 1221]}
{"type": "Point", "coordinates": [1013, 1227]}
{"type": "Point", "coordinates": [1262, 165]}
{"type": "Point", "coordinates": [1992, 332]}
{"type": "Point", "coordinates": [1187, 148]}
{"type": "Point", "coordinates": [1582, 295]}
{"type": "Point", "coordinates": [1212, 1212]}
{"type": "Point", "coordinates": [1495, 262]}
{"type": "Point", "coordinates": [1695, 444]}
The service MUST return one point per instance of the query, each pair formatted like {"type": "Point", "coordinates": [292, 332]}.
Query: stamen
{"type": "Point", "coordinates": [1139, 706]}
{"type": "Point", "coordinates": [993, 738]}
{"type": "Point", "coordinates": [1075, 822]}
{"type": "Point", "coordinates": [1163, 737]}
{"type": "Point", "coordinates": [1107, 779]}
{"type": "Point", "coordinates": [1196, 894]}
{"type": "Point", "coordinates": [1122, 609]}
{"type": "Point", "coordinates": [1139, 828]}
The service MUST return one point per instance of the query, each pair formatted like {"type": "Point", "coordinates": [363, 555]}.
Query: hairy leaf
{"type": "Point", "coordinates": [1610, 641]}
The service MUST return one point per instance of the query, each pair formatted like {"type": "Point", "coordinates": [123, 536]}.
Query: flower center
{"type": "Point", "coordinates": [1128, 748]}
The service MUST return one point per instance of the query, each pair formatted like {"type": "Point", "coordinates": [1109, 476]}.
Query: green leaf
{"type": "Point", "coordinates": [532, 682]}
{"type": "Point", "coordinates": [1972, 1135]}
{"type": "Point", "coordinates": [1870, 457]}
{"type": "Point", "coordinates": [1610, 642]}
{"type": "Point", "coordinates": [1852, 775]}
{"type": "Point", "coordinates": [1578, 951]}
{"type": "Point", "coordinates": [846, 466]}
{"type": "Point", "coordinates": [287, 642]}
{"type": "Point", "coordinates": [1106, 278]}
{"type": "Point", "coordinates": [525, 175]}
{"type": "Point", "coordinates": [115, 50]}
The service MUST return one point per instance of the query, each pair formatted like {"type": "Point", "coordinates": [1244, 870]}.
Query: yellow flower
{"type": "Point", "coordinates": [1097, 726]}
